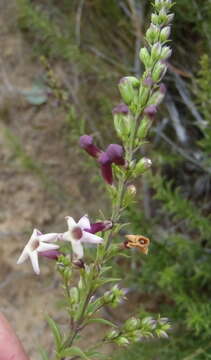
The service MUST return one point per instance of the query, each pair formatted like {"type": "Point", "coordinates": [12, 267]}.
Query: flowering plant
{"type": "Point", "coordinates": [120, 165]}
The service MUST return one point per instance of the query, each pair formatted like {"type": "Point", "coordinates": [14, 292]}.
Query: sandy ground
{"type": "Point", "coordinates": [28, 198]}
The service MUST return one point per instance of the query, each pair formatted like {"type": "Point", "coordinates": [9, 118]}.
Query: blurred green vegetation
{"type": "Point", "coordinates": [95, 42]}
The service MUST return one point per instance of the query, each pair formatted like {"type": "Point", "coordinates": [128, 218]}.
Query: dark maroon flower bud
{"type": "Point", "coordinates": [120, 109]}
{"type": "Point", "coordinates": [86, 142]}
{"type": "Point", "coordinates": [115, 154]}
{"type": "Point", "coordinates": [51, 254]}
{"type": "Point", "coordinates": [106, 167]}
{"type": "Point", "coordinates": [100, 226]}
{"type": "Point", "coordinates": [79, 263]}
{"type": "Point", "coordinates": [150, 111]}
{"type": "Point", "coordinates": [148, 81]}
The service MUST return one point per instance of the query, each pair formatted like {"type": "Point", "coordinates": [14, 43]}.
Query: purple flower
{"type": "Point", "coordinates": [120, 109]}
{"type": "Point", "coordinates": [86, 142]}
{"type": "Point", "coordinates": [106, 167]}
{"type": "Point", "coordinates": [99, 226]}
{"type": "Point", "coordinates": [115, 154]}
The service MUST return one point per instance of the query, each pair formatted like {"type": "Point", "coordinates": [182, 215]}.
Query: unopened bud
{"type": "Point", "coordinates": [150, 111]}
{"type": "Point", "coordinates": [128, 88]}
{"type": "Point", "coordinates": [143, 128]}
{"type": "Point", "coordinates": [166, 52]}
{"type": "Point", "coordinates": [131, 189]}
{"type": "Point", "coordinates": [145, 57]}
{"type": "Point", "coordinates": [165, 33]}
{"type": "Point", "coordinates": [152, 34]}
{"type": "Point", "coordinates": [122, 341]}
{"type": "Point", "coordinates": [142, 165]}
{"type": "Point", "coordinates": [158, 72]}
{"type": "Point", "coordinates": [156, 51]}
{"type": "Point", "coordinates": [131, 324]}
{"type": "Point", "coordinates": [112, 335]}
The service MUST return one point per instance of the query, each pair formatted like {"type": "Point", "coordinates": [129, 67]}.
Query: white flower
{"type": "Point", "coordinates": [77, 235]}
{"type": "Point", "coordinates": [37, 243]}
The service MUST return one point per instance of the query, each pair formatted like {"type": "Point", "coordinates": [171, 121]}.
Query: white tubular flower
{"type": "Point", "coordinates": [38, 243]}
{"type": "Point", "coordinates": [77, 235]}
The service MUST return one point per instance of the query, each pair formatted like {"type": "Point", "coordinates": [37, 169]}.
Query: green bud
{"type": "Point", "coordinates": [144, 93]}
{"type": "Point", "coordinates": [128, 88]}
{"type": "Point", "coordinates": [170, 18]}
{"type": "Point", "coordinates": [131, 324]}
{"type": "Point", "coordinates": [143, 128]}
{"type": "Point", "coordinates": [142, 165]}
{"type": "Point", "coordinates": [152, 34]}
{"type": "Point", "coordinates": [165, 33]}
{"type": "Point", "coordinates": [145, 57]}
{"type": "Point", "coordinates": [158, 96]}
{"type": "Point", "coordinates": [67, 273]}
{"type": "Point", "coordinates": [122, 341]}
{"type": "Point", "coordinates": [74, 295]}
{"type": "Point", "coordinates": [112, 335]}
{"type": "Point", "coordinates": [129, 195]}
{"type": "Point", "coordinates": [158, 71]}
{"type": "Point", "coordinates": [122, 124]}
{"type": "Point", "coordinates": [156, 51]}
{"type": "Point", "coordinates": [166, 53]}
{"type": "Point", "coordinates": [161, 333]}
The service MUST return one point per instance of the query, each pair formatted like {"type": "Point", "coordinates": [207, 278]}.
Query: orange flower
{"type": "Point", "coordinates": [137, 241]}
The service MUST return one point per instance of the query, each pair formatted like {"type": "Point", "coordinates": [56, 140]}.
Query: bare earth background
{"type": "Point", "coordinates": [25, 201]}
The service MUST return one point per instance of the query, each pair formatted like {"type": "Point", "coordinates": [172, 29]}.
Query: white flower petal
{"type": "Point", "coordinates": [34, 260]}
{"type": "Point", "coordinates": [66, 236]}
{"type": "Point", "coordinates": [23, 257]}
{"type": "Point", "coordinates": [49, 237]}
{"type": "Point", "coordinates": [91, 238]}
{"type": "Point", "coordinates": [84, 222]}
{"type": "Point", "coordinates": [46, 247]}
{"type": "Point", "coordinates": [70, 222]}
{"type": "Point", "coordinates": [77, 249]}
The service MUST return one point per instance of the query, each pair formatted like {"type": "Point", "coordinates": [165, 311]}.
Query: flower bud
{"type": "Point", "coordinates": [131, 189]}
{"type": "Point", "coordinates": [86, 142]}
{"type": "Point", "coordinates": [122, 120]}
{"type": "Point", "coordinates": [115, 153]}
{"type": "Point", "coordinates": [158, 95]}
{"type": "Point", "coordinates": [131, 324]}
{"type": "Point", "coordinates": [145, 57]}
{"type": "Point", "coordinates": [143, 128]}
{"type": "Point", "coordinates": [142, 165]}
{"type": "Point", "coordinates": [152, 34]}
{"type": "Point", "coordinates": [112, 335]}
{"type": "Point", "coordinates": [150, 111]}
{"type": "Point", "coordinates": [74, 295]}
{"type": "Point", "coordinates": [158, 71]}
{"type": "Point", "coordinates": [156, 51]}
{"type": "Point", "coordinates": [144, 93]}
{"type": "Point", "coordinates": [165, 33]}
{"type": "Point", "coordinates": [166, 52]}
{"type": "Point", "coordinates": [127, 88]}
{"type": "Point", "coordinates": [122, 341]}
{"type": "Point", "coordinates": [170, 18]}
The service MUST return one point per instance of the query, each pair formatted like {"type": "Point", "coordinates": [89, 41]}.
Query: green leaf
{"type": "Point", "coordinates": [73, 351]}
{"type": "Point", "coordinates": [101, 321]}
{"type": "Point", "coordinates": [56, 332]}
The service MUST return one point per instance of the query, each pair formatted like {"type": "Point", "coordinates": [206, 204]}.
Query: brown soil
{"type": "Point", "coordinates": [29, 198]}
